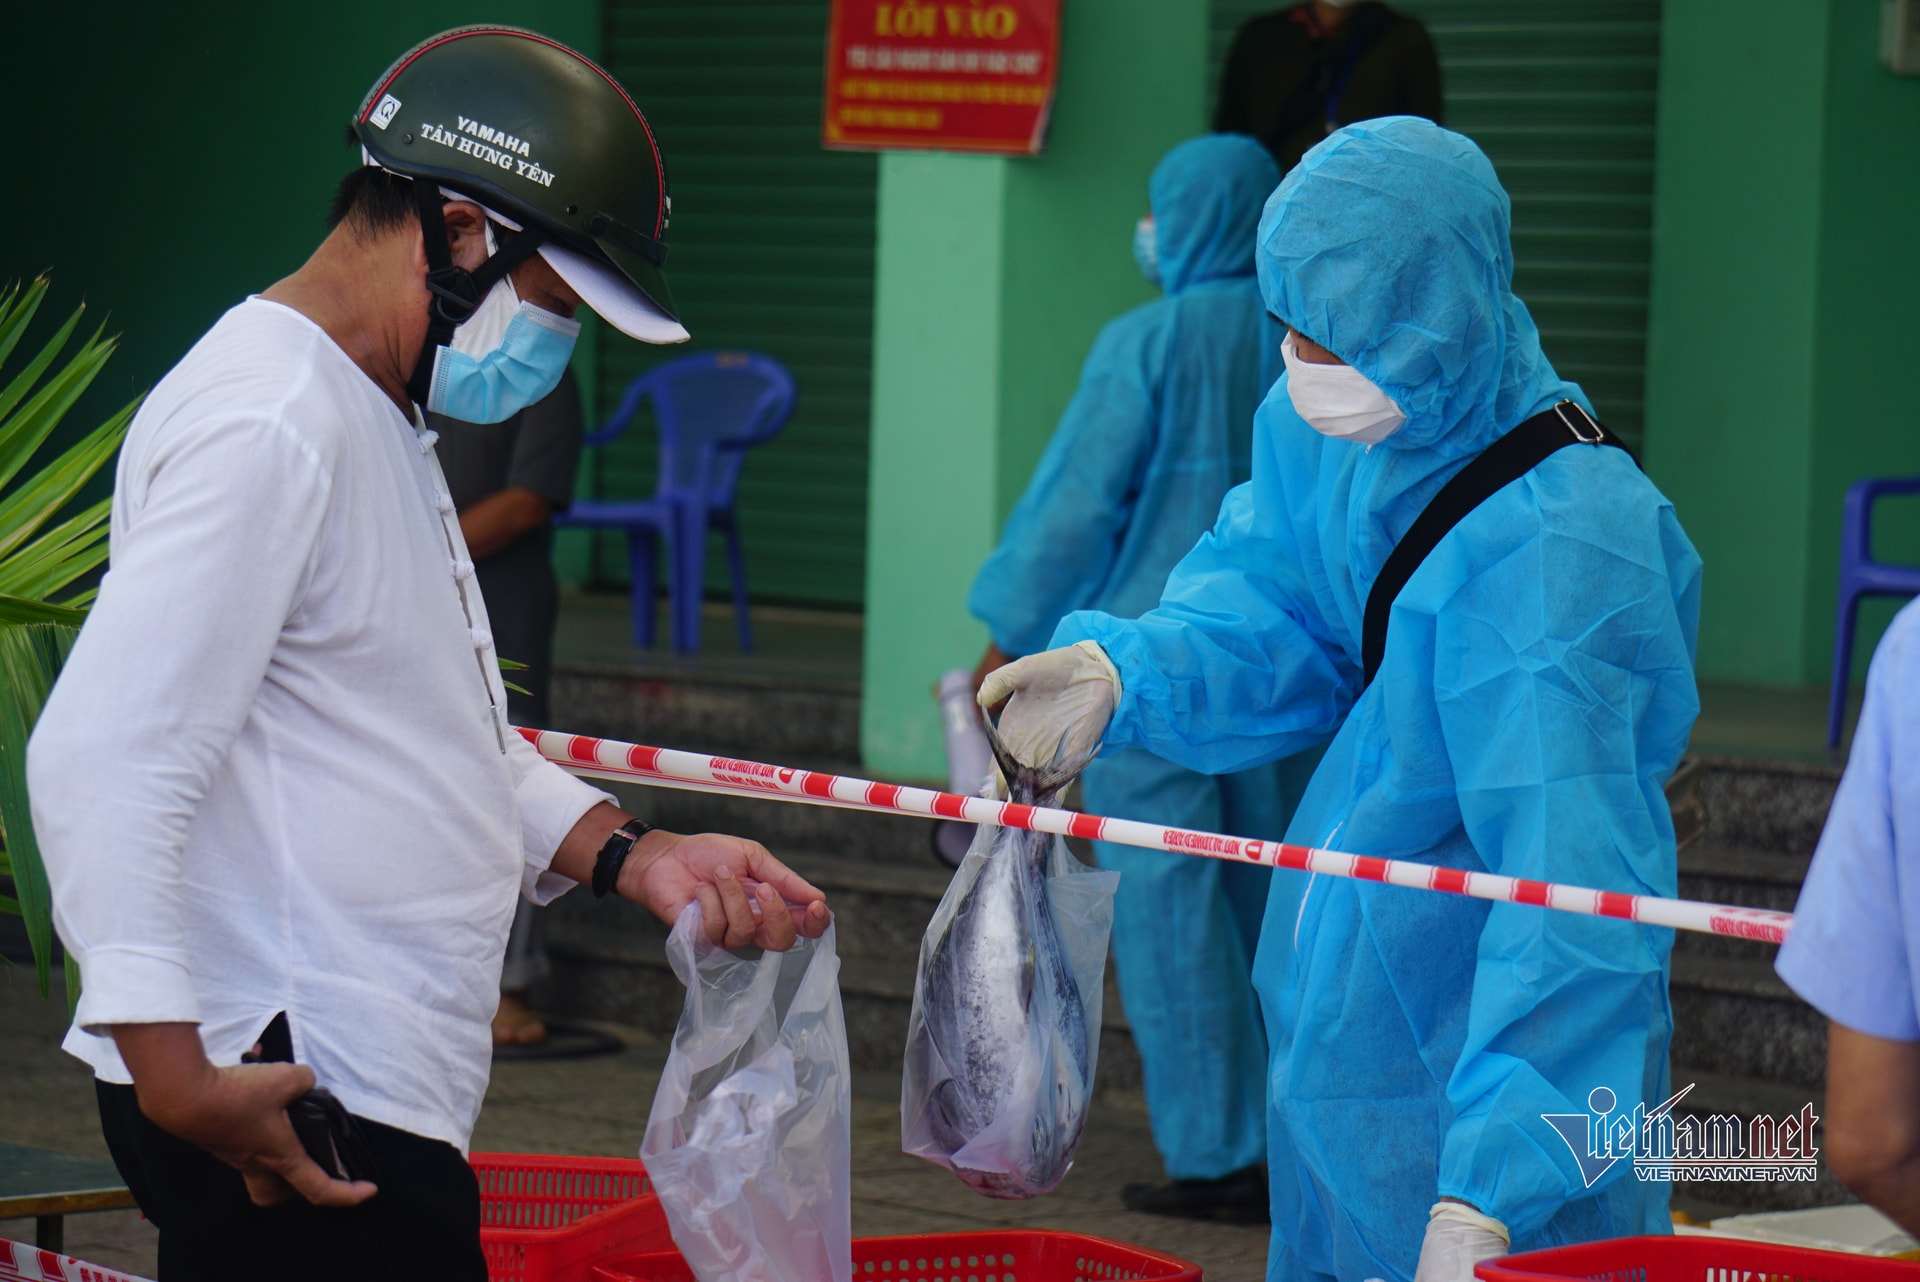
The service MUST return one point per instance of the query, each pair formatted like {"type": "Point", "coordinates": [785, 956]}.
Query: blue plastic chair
{"type": "Point", "coordinates": [1861, 575]}
{"type": "Point", "coordinates": [712, 407]}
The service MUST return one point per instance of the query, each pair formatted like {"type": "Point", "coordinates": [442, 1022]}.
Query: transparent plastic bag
{"type": "Point", "coordinates": [1005, 1031]}
{"type": "Point", "coordinates": [749, 1144]}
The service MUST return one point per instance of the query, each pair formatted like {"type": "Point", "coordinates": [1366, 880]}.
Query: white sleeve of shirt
{"type": "Point", "coordinates": [551, 802]}
{"type": "Point", "coordinates": [213, 552]}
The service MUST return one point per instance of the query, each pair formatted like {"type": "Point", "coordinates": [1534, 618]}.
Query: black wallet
{"type": "Point", "coordinates": [331, 1136]}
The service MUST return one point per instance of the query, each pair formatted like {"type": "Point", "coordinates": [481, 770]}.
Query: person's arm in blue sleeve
{"type": "Point", "coordinates": [1062, 537]}
{"type": "Point", "coordinates": [1850, 954]}
{"type": "Point", "coordinates": [1237, 665]}
{"type": "Point", "coordinates": [1563, 683]}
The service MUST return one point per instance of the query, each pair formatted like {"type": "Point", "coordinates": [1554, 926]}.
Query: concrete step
{"type": "Point", "coordinates": [1774, 807]}
{"type": "Point", "coordinates": [815, 726]}
{"type": "Point", "coordinates": [1743, 1098]}
{"type": "Point", "coordinates": [1734, 1016]}
{"type": "Point", "coordinates": [1749, 878]}
{"type": "Point", "coordinates": [610, 962]}
{"type": "Point", "coordinates": [782, 720]}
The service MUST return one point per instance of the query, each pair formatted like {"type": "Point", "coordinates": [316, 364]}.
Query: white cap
{"type": "Point", "coordinates": [613, 298]}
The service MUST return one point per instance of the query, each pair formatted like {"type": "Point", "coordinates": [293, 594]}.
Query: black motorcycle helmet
{"type": "Point", "coordinates": [549, 145]}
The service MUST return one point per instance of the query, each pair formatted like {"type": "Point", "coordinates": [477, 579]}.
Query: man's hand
{"type": "Point", "coordinates": [746, 895]}
{"type": "Point", "coordinates": [731, 877]}
{"type": "Point", "coordinates": [237, 1114]}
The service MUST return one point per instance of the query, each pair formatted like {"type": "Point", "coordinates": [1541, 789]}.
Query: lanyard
{"type": "Point", "coordinates": [1358, 33]}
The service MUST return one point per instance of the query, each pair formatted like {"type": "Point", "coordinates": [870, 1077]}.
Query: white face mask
{"type": "Point", "coordinates": [488, 324]}
{"type": "Point", "coordinates": [1146, 251]}
{"type": "Point", "coordinates": [1338, 400]}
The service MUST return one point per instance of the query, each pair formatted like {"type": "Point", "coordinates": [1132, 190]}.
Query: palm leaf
{"type": "Point", "coordinates": [16, 313]}
{"type": "Point", "coordinates": [25, 428]}
{"type": "Point", "coordinates": [15, 609]}
{"type": "Point", "coordinates": [11, 394]}
{"type": "Point", "coordinates": [58, 557]}
{"type": "Point", "coordinates": [41, 496]}
{"type": "Point", "coordinates": [30, 658]}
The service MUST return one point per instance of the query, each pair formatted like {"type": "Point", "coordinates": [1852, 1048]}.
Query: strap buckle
{"type": "Point", "coordinates": [1598, 434]}
{"type": "Point", "coordinates": [456, 295]}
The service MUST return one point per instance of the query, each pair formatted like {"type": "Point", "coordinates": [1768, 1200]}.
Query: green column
{"type": "Point", "coordinates": [1781, 313]}
{"type": "Point", "coordinates": [993, 276]}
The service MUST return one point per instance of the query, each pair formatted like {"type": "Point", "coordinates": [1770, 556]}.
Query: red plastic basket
{"type": "Point", "coordinates": [547, 1219]}
{"type": "Point", "coordinates": [996, 1255]}
{"type": "Point", "coordinates": [1694, 1259]}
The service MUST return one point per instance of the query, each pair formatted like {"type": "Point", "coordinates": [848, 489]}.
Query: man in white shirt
{"type": "Point", "coordinates": [279, 802]}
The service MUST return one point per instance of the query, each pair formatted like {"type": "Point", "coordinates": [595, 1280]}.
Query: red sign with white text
{"type": "Point", "coordinates": [941, 75]}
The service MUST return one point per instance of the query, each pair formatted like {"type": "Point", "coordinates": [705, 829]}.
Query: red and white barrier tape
{"type": "Point", "coordinates": [610, 759]}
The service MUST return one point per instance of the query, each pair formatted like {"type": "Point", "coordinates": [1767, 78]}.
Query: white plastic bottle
{"type": "Point", "coordinates": [969, 758]}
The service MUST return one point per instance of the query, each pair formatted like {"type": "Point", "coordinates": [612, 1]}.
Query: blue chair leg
{"type": "Point", "coordinates": [689, 571]}
{"type": "Point", "coordinates": [642, 549]}
{"type": "Point", "coordinates": [737, 569]}
{"type": "Point", "coordinates": [1842, 662]}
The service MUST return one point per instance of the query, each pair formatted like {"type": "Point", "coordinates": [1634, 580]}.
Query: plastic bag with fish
{"type": "Point", "coordinates": [1005, 1028]}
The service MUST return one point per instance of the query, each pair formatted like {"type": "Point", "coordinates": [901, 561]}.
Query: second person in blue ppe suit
{"type": "Point", "coordinates": [1535, 693]}
{"type": "Point", "coordinates": [1158, 432]}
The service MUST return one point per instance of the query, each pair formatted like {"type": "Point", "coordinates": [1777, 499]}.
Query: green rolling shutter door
{"type": "Point", "coordinates": [1561, 95]}
{"type": "Point", "coordinates": [770, 250]}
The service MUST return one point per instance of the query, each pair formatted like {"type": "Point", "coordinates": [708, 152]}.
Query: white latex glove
{"type": "Point", "coordinates": [1062, 701]}
{"type": "Point", "coordinates": [1458, 1237]}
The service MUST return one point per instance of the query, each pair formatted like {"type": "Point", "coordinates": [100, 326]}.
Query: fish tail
{"type": "Point", "coordinates": [1024, 781]}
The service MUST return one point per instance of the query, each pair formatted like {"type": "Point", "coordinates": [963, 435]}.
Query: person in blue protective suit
{"type": "Point", "coordinates": [1534, 693]}
{"type": "Point", "coordinates": [1158, 432]}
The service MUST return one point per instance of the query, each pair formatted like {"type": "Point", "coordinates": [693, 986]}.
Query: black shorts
{"type": "Point", "coordinates": [422, 1226]}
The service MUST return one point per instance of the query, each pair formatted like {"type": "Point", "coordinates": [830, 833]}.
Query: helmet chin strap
{"type": "Point", "coordinates": [456, 292]}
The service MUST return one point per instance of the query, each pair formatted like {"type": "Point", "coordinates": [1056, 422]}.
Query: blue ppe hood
{"type": "Point", "coordinates": [1161, 424]}
{"type": "Point", "coordinates": [1206, 196]}
{"type": "Point", "coordinates": [1388, 245]}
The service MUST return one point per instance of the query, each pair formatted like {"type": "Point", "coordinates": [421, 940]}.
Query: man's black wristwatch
{"type": "Point", "coordinates": [613, 855]}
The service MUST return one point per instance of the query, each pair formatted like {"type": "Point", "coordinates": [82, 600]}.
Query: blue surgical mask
{"type": "Point", "coordinates": [509, 355]}
{"type": "Point", "coordinates": [1146, 251]}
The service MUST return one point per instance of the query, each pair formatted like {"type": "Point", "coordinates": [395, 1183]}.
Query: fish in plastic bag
{"type": "Point", "coordinates": [749, 1143]}
{"type": "Point", "coordinates": [1005, 1028]}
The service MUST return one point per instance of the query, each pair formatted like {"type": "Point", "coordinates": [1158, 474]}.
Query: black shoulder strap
{"type": "Point", "coordinates": [1505, 461]}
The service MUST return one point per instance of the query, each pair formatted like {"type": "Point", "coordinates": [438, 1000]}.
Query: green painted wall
{"type": "Point", "coordinates": [1867, 326]}
{"type": "Point", "coordinates": [1788, 165]}
{"type": "Point", "coordinates": [168, 159]}
{"type": "Point", "coordinates": [994, 275]}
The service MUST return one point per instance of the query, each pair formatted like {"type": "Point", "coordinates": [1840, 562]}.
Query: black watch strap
{"type": "Point", "coordinates": [613, 855]}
